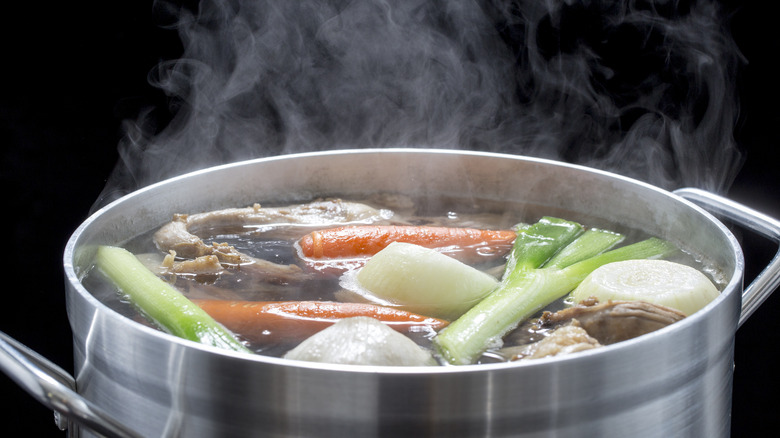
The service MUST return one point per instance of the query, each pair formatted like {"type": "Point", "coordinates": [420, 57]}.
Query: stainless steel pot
{"type": "Point", "coordinates": [131, 380]}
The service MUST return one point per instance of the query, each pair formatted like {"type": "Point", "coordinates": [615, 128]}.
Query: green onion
{"type": "Point", "coordinates": [590, 243]}
{"type": "Point", "coordinates": [161, 302]}
{"type": "Point", "coordinates": [525, 290]}
{"type": "Point", "coordinates": [536, 243]}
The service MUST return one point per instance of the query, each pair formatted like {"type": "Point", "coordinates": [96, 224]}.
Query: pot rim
{"type": "Point", "coordinates": [734, 285]}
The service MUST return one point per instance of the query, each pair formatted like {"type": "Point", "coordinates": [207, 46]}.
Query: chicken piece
{"type": "Point", "coordinates": [318, 213]}
{"type": "Point", "coordinates": [567, 339]}
{"type": "Point", "coordinates": [203, 265]}
{"type": "Point", "coordinates": [614, 321]}
{"type": "Point", "coordinates": [181, 234]}
{"type": "Point", "coordinates": [604, 324]}
{"type": "Point", "coordinates": [175, 237]}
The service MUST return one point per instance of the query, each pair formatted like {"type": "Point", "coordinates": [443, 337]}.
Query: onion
{"type": "Point", "coordinates": [424, 281]}
{"type": "Point", "coordinates": [660, 282]}
{"type": "Point", "coordinates": [361, 340]}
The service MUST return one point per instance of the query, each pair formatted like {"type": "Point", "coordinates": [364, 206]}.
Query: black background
{"type": "Point", "coordinates": [73, 71]}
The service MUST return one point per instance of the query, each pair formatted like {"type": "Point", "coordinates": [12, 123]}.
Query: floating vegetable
{"type": "Point", "coordinates": [660, 282]}
{"type": "Point", "coordinates": [422, 280]}
{"type": "Point", "coordinates": [361, 341]}
{"type": "Point", "coordinates": [360, 241]}
{"type": "Point", "coordinates": [273, 321]}
{"type": "Point", "coordinates": [526, 288]}
{"type": "Point", "coordinates": [587, 244]}
{"type": "Point", "coordinates": [161, 302]}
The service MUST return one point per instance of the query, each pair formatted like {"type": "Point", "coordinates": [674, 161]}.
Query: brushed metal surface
{"type": "Point", "coordinates": [674, 382]}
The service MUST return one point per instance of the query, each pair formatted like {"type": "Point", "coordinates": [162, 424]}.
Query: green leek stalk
{"type": "Point", "coordinates": [536, 243]}
{"type": "Point", "coordinates": [590, 243]}
{"type": "Point", "coordinates": [524, 292]}
{"type": "Point", "coordinates": [161, 302]}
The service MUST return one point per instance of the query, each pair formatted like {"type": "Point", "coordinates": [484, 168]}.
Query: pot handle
{"type": "Point", "coordinates": [769, 279]}
{"type": "Point", "coordinates": [55, 388]}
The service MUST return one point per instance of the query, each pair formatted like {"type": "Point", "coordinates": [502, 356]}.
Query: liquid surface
{"type": "Point", "coordinates": [277, 244]}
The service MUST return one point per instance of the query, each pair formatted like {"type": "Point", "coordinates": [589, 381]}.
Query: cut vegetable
{"type": "Point", "coordinates": [590, 243]}
{"type": "Point", "coordinates": [660, 282]}
{"type": "Point", "coordinates": [421, 280]}
{"type": "Point", "coordinates": [262, 322]}
{"type": "Point", "coordinates": [161, 302]}
{"type": "Point", "coordinates": [361, 241]}
{"type": "Point", "coordinates": [361, 341]}
{"type": "Point", "coordinates": [537, 243]}
{"type": "Point", "coordinates": [525, 290]}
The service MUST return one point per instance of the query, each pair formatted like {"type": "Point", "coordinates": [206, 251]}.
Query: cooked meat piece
{"type": "Point", "coordinates": [614, 321]}
{"type": "Point", "coordinates": [318, 213]}
{"type": "Point", "coordinates": [175, 237]}
{"type": "Point", "coordinates": [180, 235]}
{"type": "Point", "coordinates": [204, 265]}
{"type": "Point", "coordinates": [567, 339]}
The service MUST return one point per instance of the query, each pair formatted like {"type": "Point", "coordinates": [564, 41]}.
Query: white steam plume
{"type": "Point", "coordinates": [642, 88]}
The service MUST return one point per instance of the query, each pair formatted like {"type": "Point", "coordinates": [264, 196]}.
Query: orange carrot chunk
{"type": "Point", "coordinates": [274, 321]}
{"type": "Point", "coordinates": [361, 241]}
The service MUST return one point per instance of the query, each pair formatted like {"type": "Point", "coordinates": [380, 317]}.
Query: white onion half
{"type": "Point", "coordinates": [361, 341]}
{"type": "Point", "coordinates": [424, 281]}
{"type": "Point", "coordinates": [660, 282]}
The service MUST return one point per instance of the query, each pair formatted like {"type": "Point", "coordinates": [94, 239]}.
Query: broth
{"type": "Point", "coordinates": [276, 244]}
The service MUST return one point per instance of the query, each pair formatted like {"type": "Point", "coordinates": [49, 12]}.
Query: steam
{"type": "Point", "coordinates": [642, 88]}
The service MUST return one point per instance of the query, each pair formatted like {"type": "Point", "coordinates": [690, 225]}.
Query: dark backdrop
{"type": "Point", "coordinates": [72, 72]}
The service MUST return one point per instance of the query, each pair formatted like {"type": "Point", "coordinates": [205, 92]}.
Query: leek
{"type": "Point", "coordinates": [536, 243]}
{"type": "Point", "coordinates": [527, 287]}
{"type": "Point", "coordinates": [161, 302]}
{"type": "Point", "coordinates": [592, 242]}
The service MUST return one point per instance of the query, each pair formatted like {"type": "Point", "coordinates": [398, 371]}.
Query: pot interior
{"type": "Point", "coordinates": [533, 187]}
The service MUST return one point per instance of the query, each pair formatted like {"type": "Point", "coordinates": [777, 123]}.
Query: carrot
{"type": "Point", "coordinates": [274, 321]}
{"type": "Point", "coordinates": [362, 241]}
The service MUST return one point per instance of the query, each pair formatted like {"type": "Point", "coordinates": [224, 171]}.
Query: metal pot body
{"type": "Point", "coordinates": [673, 382]}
